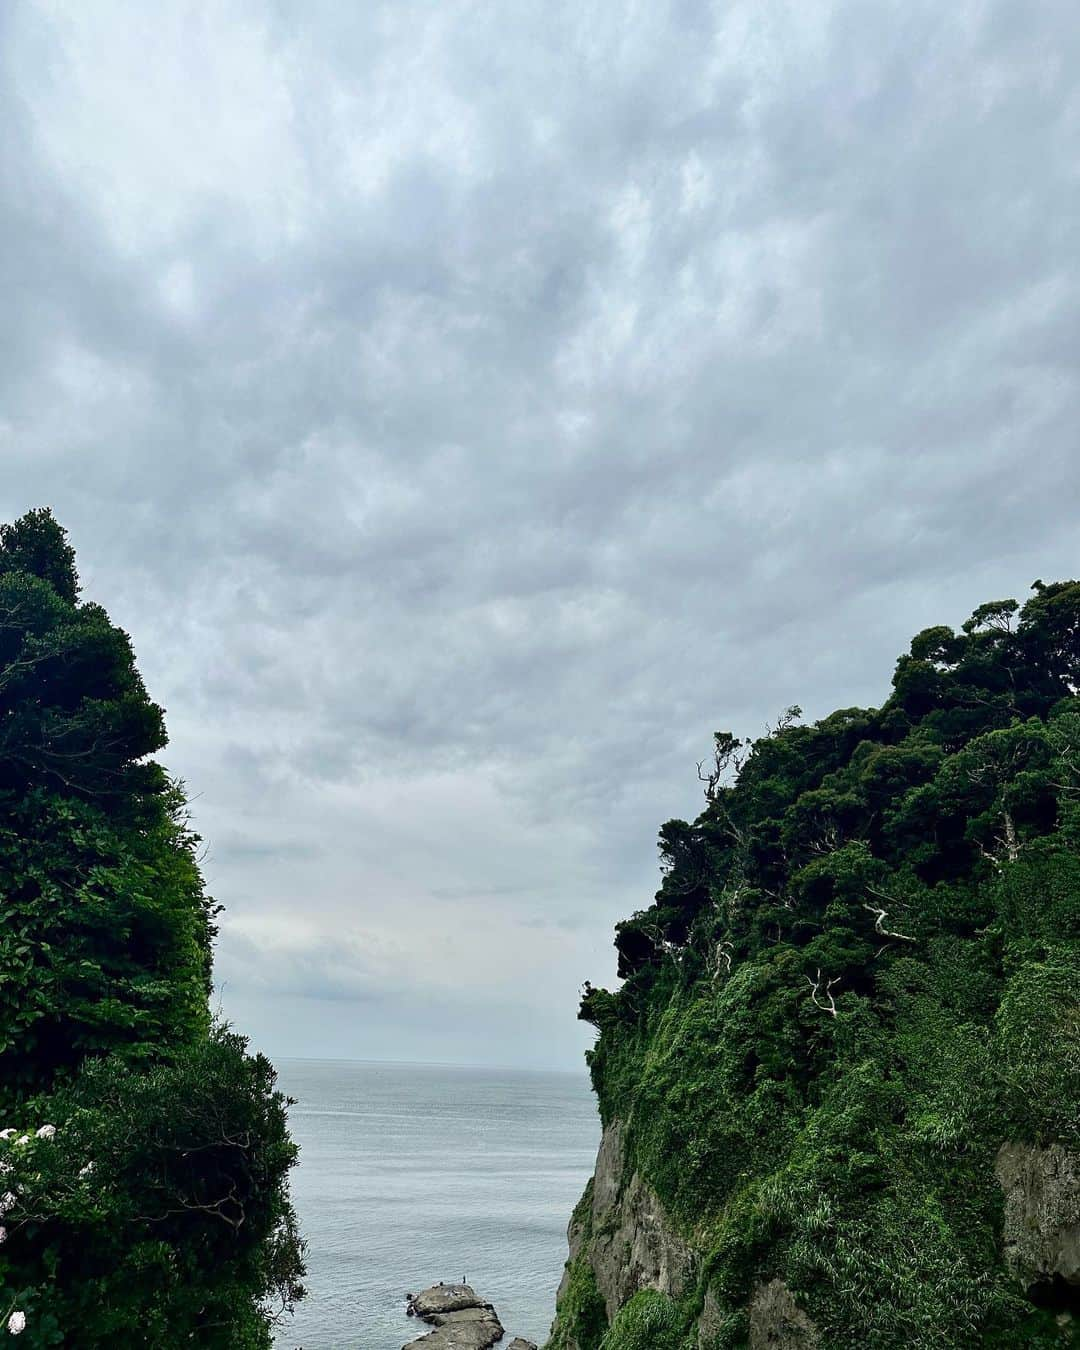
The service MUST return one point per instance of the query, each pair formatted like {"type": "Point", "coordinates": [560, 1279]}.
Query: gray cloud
{"type": "Point", "coordinates": [467, 411]}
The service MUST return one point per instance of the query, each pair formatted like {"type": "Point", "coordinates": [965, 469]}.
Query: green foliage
{"type": "Point", "coordinates": [159, 1212]}
{"type": "Point", "coordinates": [156, 1215]}
{"type": "Point", "coordinates": [649, 1321]}
{"type": "Point", "coordinates": [105, 940]}
{"type": "Point", "coordinates": [1037, 1046]}
{"type": "Point", "coordinates": [860, 976]}
{"type": "Point", "coordinates": [582, 1317]}
{"type": "Point", "coordinates": [75, 718]}
{"type": "Point", "coordinates": [36, 546]}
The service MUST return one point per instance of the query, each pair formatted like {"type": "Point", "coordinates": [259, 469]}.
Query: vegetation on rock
{"type": "Point", "coordinates": [145, 1154]}
{"type": "Point", "coordinates": [859, 979]}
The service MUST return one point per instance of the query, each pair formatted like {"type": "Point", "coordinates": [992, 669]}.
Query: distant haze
{"type": "Point", "coordinates": [468, 408]}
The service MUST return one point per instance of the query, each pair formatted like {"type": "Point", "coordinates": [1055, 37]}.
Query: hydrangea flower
{"type": "Point", "coordinates": [8, 1201]}
{"type": "Point", "coordinates": [23, 1139]}
{"type": "Point", "coordinates": [16, 1322]}
{"type": "Point", "coordinates": [6, 1134]}
{"type": "Point", "coordinates": [3, 1233]}
{"type": "Point", "coordinates": [47, 1132]}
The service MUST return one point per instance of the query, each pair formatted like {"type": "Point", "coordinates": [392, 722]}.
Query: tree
{"type": "Point", "coordinates": [186, 1233]}
{"type": "Point", "coordinates": [36, 545]}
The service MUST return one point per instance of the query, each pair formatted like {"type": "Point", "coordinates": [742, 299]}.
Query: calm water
{"type": "Point", "coordinates": [412, 1174]}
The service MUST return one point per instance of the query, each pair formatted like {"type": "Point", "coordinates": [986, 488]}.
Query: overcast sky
{"type": "Point", "coordinates": [468, 408]}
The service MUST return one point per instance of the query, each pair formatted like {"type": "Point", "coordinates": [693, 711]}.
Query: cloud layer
{"type": "Point", "coordinates": [469, 407]}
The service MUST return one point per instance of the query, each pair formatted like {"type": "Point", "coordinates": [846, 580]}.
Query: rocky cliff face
{"type": "Point", "coordinates": [1042, 1217]}
{"type": "Point", "coordinates": [625, 1236]}
{"type": "Point", "coordinates": [622, 1242]}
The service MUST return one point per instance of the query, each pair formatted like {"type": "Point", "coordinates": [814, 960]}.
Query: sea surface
{"type": "Point", "coordinates": [410, 1174]}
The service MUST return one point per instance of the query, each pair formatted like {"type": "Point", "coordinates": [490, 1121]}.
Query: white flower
{"type": "Point", "coordinates": [47, 1132]}
{"type": "Point", "coordinates": [6, 1134]}
{"type": "Point", "coordinates": [7, 1201]}
{"type": "Point", "coordinates": [3, 1233]}
{"type": "Point", "coordinates": [85, 1171]}
{"type": "Point", "coordinates": [16, 1322]}
{"type": "Point", "coordinates": [23, 1139]}
{"type": "Point", "coordinates": [6, 1167]}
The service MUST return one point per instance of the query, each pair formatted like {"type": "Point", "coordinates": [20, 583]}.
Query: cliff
{"type": "Point", "coordinates": [840, 1082]}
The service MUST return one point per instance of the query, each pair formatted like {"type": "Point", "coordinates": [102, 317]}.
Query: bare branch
{"type": "Point", "coordinates": [725, 756]}
{"type": "Point", "coordinates": [816, 989]}
{"type": "Point", "coordinates": [880, 915]}
{"type": "Point", "coordinates": [723, 952]}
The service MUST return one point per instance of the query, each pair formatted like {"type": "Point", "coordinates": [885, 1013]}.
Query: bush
{"type": "Point", "coordinates": [157, 1214]}
{"type": "Point", "coordinates": [649, 1321]}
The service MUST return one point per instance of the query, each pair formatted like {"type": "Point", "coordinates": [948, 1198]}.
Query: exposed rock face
{"type": "Point", "coordinates": [709, 1322]}
{"type": "Point", "coordinates": [1042, 1211]}
{"type": "Point", "coordinates": [575, 1237]}
{"type": "Point", "coordinates": [634, 1245]}
{"type": "Point", "coordinates": [462, 1320]}
{"type": "Point", "coordinates": [777, 1322]}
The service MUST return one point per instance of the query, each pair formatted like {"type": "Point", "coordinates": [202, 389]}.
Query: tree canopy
{"type": "Point", "coordinates": [154, 1208]}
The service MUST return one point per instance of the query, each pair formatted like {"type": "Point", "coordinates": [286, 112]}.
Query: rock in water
{"type": "Point", "coordinates": [444, 1298]}
{"type": "Point", "coordinates": [462, 1320]}
{"type": "Point", "coordinates": [519, 1344]}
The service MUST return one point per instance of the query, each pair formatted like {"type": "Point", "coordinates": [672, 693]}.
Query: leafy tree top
{"type": "Point", "coordinates": [106, 929]}
{"type": "Point", "coordinates": [36, 544]}
{"type": "Point", "coordinates": [75, 717]}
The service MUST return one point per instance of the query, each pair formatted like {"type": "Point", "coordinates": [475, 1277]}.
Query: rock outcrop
{"type": "Point", "coordinates": [777, 1322]}
{"type": "Point", "coordinates": [630, 1243]}
{"type": "Point", "coordinates": [462, 1320]}
{"type": "Point", "coordinates": [1042, 1212]}
{"type": "Point", "coordinates": [633, 1244]}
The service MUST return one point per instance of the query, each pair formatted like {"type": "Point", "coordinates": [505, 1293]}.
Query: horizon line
{"type": "Point", "coordinates": [419, 1063]}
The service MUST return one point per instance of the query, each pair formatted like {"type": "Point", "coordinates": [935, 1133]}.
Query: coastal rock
{"type": "Point", "coordinates": [1042, 1212]}
{"type": "Point", "coordinates": [460, 1336]}
{"type": "Point", "coordinates": [777, 1322]}
{"type": "Point", "coordinates": [444, 1298]}
{"type": "Point", "coordinates": [634, 1245]}
{"type": "Point", "coordinates": [462, 1320]}
{"type": "Point", "coordinates": [519, 1344]}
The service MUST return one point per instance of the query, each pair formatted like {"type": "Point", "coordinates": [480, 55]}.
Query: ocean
{"type": "Point", "coordinates": [410, 1174]}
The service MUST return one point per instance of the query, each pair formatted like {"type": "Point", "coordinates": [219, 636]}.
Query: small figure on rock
{"type": "Point", "coordinates": [462, 1320]}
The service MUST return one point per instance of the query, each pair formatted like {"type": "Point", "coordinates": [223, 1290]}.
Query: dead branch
{"type": "Point", "coordinates": [816, 989]}
{"type": "Point", "coordinates": [723, 952]}
{"type": "Point", "coordinates": [880, 915]}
